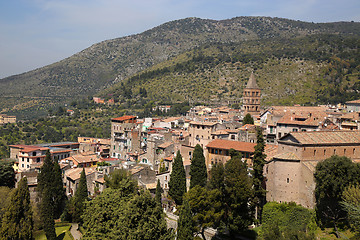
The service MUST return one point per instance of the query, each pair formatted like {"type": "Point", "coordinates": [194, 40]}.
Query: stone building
{"type": "Point", "coordinates": [4, 119]}
{"type": "Point", "coordinates": [123, 129]}
{"type": "Point", "coordinates": [251, 97]}
{"type": "Point", "coordinates": [201, 132]}
{"type": "Point", "coordinates": [290, 173]}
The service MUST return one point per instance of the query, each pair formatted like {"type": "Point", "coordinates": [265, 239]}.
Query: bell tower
{"type": "Point", "coordinates": [251, 97]}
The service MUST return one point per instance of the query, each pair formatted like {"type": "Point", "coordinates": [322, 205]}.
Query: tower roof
{"type": "Point", "coordinates": [252, 82]}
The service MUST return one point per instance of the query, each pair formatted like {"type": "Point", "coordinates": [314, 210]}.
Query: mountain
{"type": "Point", "coordinates": [307, 70]}
{"type": "Point", "coordinates": [106, 63]}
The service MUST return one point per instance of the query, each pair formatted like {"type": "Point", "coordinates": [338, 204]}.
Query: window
{"type": "Point", "coordinates": [344, 151]}
{"type": "Point", "coordinates": [216, 151]}
{"type": "Point", "coordinates": [314, 152]}
{"type": "Point", "coordinates": [287, 180]}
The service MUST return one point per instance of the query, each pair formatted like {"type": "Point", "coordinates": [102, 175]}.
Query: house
{"type": "Point", "coordinates": [125, 136]}
{"type": "Point", "coordinates": [72, 179]}
{"type": "Point", "coordinates": [200, 132]}
{"type": "Point", "coordinates": [82, 160]}
{"type": "Point", "coordinates": [4, 119]}
{"type": "Point", "coordinates": [350, 121]}
{"type": "Point", "coordinates": [289, 174]}
{"type": "Point", "coordinates": [218, 151]}
{"type": "Point", "coordinates": [353, 106]}
{"type": "Point", "coordinates": [32, 156]}
{"type": "Point", "coordinates": [99, 146]}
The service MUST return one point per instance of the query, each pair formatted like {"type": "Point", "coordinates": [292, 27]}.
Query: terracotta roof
{"type": "Point", "coordinates": [203, 123]}
{"type": "Point", "coordinates": [170, 158]}
{"type": "Point", "coordinates": [75, 173]}
{"type": "Point", "coordinates": [171, 119]}
{"type": "Point", "coordinates": [82, 159]}
{"type": "Point", "coordinates": [325, 137]}
{"type": "Point", "coordinates": [287, 156]}
{"type": "Point", "coordinates": [123, 118]}
{"type": "Point", "coordinates": [100, 180]}
{"type": "Point", "coordinates": [228, 144]}
{"type": "Point", "coordinates": [303, 118]}
{"type": "Point", "coordinates": [165, 144]}
{"type": "Point", "coordinates": [354, 101]}
{"type": "Point", "coordinates": [270, 151]}
{"type": "Point", "coordinates": [351, 115]}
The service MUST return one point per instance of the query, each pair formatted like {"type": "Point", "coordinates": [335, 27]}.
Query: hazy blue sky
{"type": "Point", "coordinates": [35, 33]}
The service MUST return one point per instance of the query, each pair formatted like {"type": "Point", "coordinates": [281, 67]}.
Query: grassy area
{"type": "Point", "coordinates": [329, 234]}
{"type": "Point", "coordinates": [62, 232]}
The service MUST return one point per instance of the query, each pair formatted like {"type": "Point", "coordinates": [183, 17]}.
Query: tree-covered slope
{"type": "Point", "coordinates": [305, 70]}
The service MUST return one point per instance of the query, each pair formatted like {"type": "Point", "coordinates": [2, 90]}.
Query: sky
{"type": "Point", "coordinates": [35, 33]}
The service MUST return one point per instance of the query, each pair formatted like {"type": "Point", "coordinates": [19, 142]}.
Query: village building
{"type": "Point", "coordinates": [125, 136]}
{"type": "Point", "coordinates": [251, 97]}
{"type": "Point", "coordinates": [4, 119]}
{"type": "Point", "coordinates": [201, 132]}
{"type": "Point", "coordinates": [99, 146]}
{"type": "Point", "coordinates": [31, 157]}
{"type": "Point", "coordinates": [218, 151]}
{"type": "Point", "coordinates": [289, 175]}
{"type": "Point", "coordinates": [353, 106]}
{"type": "Point", "coordinates": [72, 179]}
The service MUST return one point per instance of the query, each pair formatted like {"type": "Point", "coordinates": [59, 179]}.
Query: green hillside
{"type": "Point", "coordinates": [308, 70]}
{"type": "Point", "coordinates": [106, 63]}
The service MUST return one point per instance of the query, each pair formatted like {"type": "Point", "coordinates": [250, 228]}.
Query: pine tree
{"type": "Point", "coordinates": [51, 191]}
{"type": "Point", "coordinates": [185, 226]}
{"type": "Point", "coordinates": [81, 195]}
{"type": "Point", "coordinates": [158, 193]}
{"type": "Point", "coordinates": [177, 183]}
{"type": "Point", "coordinates": [258, 176]}
{"type": "Point", "coordinates": [17, 222]}
{"type": "Point", "coordinates": [198, 171]}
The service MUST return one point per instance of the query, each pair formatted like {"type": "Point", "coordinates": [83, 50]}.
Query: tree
{"type": "Point", "coordinates": [81, 195]}
{"type": "Point", "coordinates": [217, 175]}
{"type": "Point", "coordinates": [158, 193]}
{"type": "Point", "coordinates": [185, 226]}
{"type": "Point", "coordinates": [238, 195]}
{"type": "Point", "coordinates": [115, 214]}
{"type": "Point", "coordinates": [7, 174]}
{"type": "Point", "coordinates": [351, 204]}
{"type": "Point", "coordinates": [258, 173]}
{"type": "Point", "coordinates": [248, 119]}
{"type": "Point", "coordinates": [177, 183]}
{"type": "Point", "coordinates": [17, 222]}
{"type": "Point", "coordinates": [287, 221]}
{"type": "Point", "coordinates": [198, 170]}
{"type": "Point", "coordinates": [52, 194]}
{"type": "Point", "coordinates": [332, 176]}
{"type": "Point", "coordinates": [206, 207]}
{"type": "Point", "coordinates": [120, 179]}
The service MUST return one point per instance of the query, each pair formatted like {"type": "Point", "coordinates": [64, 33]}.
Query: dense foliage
{"type": "Point", "coordinates": [248, 119]}
{"type": "Point", "coordinates": [118, 215]}
{"type": "Point", "coordinates": [17, 222]}
{"type": "Point", "coordinates": [332, 176]}
{"type": "Point", "coordinates": [185, 224]}
{"type": "Point", "coordinates": [351, 204]}
{"type": "Point", "coordinates": [78, 201]}
{"type": "Point", "coordinates": [7, 174]}
{"type": "Point", "coordinates": [287, 221]}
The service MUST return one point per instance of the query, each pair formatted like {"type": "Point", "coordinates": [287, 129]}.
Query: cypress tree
{"type": "Point", "coordinates": [81, 195]}
{"type": "Point", "coordinates": [185, 227]}
{"type": "Point", "coordinates": [7, 174]}
{"type": "Point", "coordinates": [177, 183]}
{"type": "Point", "coordinates": [258, 176]}
{"type": "Point", "coordinates": [52, 195]}
{"type": "Point", "coordinates": [158, 193]}
{"type": "Point", "coordinates": [198, 168]}
{"type": "Point", "coordinates": [17, 222]}
{"type": "Point", "coordinates": [248, 119]}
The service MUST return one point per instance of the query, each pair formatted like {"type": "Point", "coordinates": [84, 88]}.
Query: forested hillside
{"type": "Point", "coordinates": [315, 69]}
